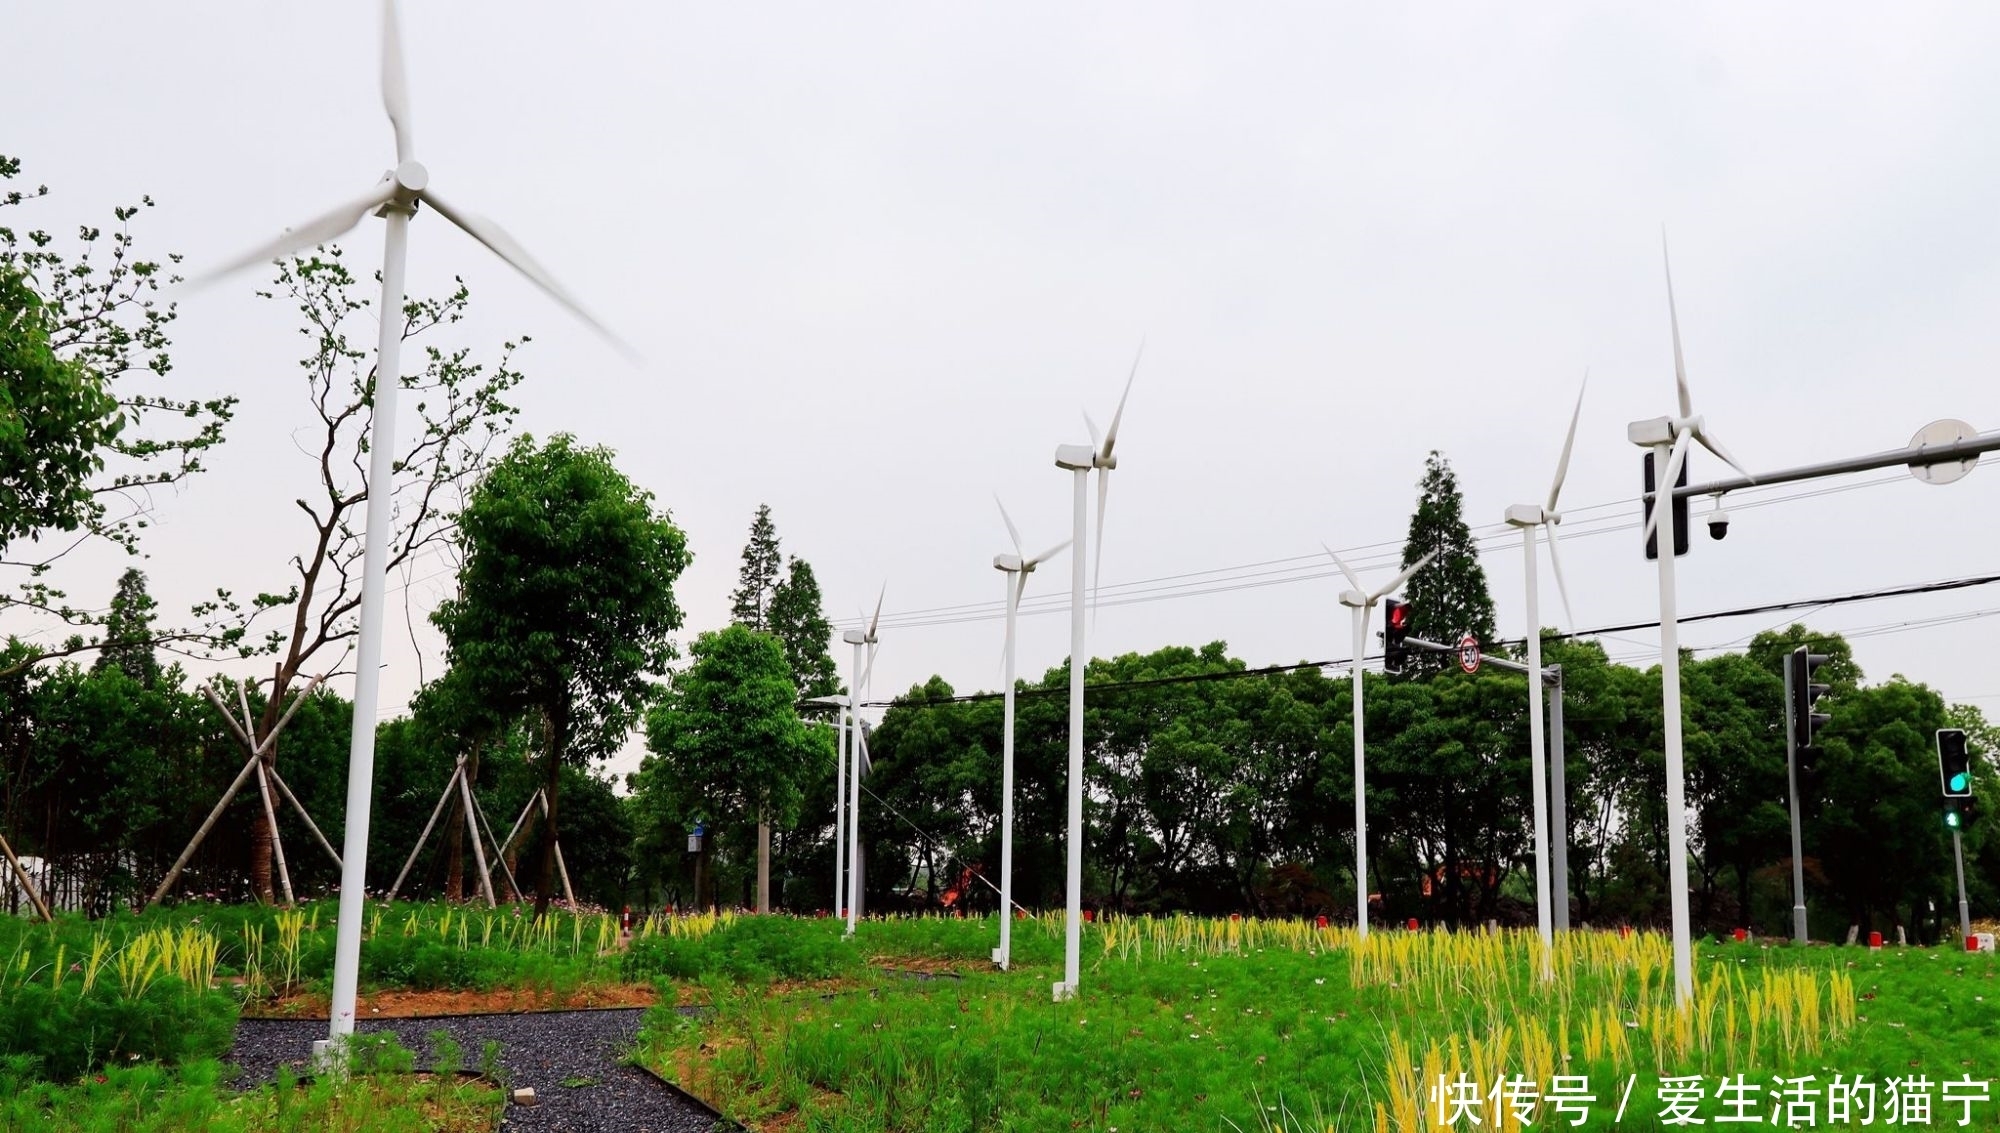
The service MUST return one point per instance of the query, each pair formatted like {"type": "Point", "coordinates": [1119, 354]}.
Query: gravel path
{"type": "Point", "coordinates": [543, 1050]}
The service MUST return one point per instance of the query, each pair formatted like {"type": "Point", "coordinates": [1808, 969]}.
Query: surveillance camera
{"type": "Point", "coordinates": [1718, 524]}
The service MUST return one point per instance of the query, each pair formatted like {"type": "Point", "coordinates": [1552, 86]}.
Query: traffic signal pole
{"type": "Point", "coordinates": [1558, 803]}
{"type": "Point", "coordinates": [1964, 911]}
{"type": "Point", "coordinates": [1792, 779]}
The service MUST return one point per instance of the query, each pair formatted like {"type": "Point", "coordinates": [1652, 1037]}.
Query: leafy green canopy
{"type": "Point", "coordinates": [56, 421]}
{"type": "Point", "coordinates": [726, 740]}
{"type": "Point", "coordinates": [566, 599]}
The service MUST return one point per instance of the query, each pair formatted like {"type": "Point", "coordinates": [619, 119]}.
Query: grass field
{"type": "Point", "coordinates": [1239, 1025]}
{"type": "Point", "coordinates": [1182, 1023]}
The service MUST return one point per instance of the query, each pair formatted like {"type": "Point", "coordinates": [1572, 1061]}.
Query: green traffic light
{"type": "Point", "coordinates": [1960, 782]}
{"type": "Point", "coordinates": [1951, 819]}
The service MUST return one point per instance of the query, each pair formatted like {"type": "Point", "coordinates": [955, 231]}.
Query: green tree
{"type": "Point", "coordinates": [462, 410]}
{"type": "Point", "coordinates": [757, 582]}
{"type": "Point", "coordinates": [726, 743]}
{"type": "Point", "coordinates": [1448, 598]}
{"type": "Point", "coordinates": [57, 421]}
{"type": "Point", "coordinates": [128, 631]}
{"type": "Point", "coordinates": [565, 604]}
{"type": "Point", "coordinates": [85, 434]}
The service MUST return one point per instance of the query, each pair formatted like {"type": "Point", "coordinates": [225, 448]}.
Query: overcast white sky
{"type": "Point", "coordinates": [877, 258]}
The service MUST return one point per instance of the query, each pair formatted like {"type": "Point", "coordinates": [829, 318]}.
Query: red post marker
{"type": "Point", "coordinates": [1875, 941]}
{"type": "Point", "coordinates": [1235, 916]}
{"type": "Point", "coordinates": [1089, 915]}
{"type": "Point", "coordinates": [625, 919]}
{"type": "Point", "coordinates": [1624, 930]}
{"type": "Point", "coordinates": [1972, 944]}
{"type": "Point", "coordinates": [1322, 923]}
{"type": "Point", "coordinates": [1412, 926]}
{"type": "Point", "coordinates": [1740, 936]}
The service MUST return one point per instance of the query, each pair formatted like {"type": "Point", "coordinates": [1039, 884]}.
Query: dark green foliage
{"type": "Point", "coordinates": [750, 950]}
{"type": "Point", "coordinates": [1448, 598]}
{"type": "Point", "coordinates": [428, 964]}
{"type": "Point", "coordinates": [128, 631]}
{"type": "Point", "coordinates": [68, 1032]}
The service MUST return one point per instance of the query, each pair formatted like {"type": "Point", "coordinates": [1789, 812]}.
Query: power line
{"type": "Point", "coordinates": [1274, 670]}
{"type": "Point", "coordinates": [1588, 521]}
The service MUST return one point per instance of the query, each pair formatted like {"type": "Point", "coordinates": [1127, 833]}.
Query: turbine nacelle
{"type": "Point", "coordinates": [1010, 563]}
{"type": "Point", "coordinates": [1077, 458]}
{"type": "Point", "coordinates": [1652, 431]}
{"type": "Point", "coordinates": [854, 637]}
{"type": "Point", "coordinates": [1530, 515]}
{"type": "Point", "coordinates": [1354, 598]}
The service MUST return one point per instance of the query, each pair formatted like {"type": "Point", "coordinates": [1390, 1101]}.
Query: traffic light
{"type": "Point", "coordinates": [1957, 812]}
{"type": "Point", "coordinates": [1954, 763]}
{"type": "Point", "coordinates": [1395, 627]}
{"type": "Point", "coordinates": [1798, 678]}
{"type": "Point", "coordinates": [1680, 512]}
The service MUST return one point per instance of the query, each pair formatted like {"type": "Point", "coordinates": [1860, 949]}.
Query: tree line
{"type": "Point", "coordinates": [1208, 787]}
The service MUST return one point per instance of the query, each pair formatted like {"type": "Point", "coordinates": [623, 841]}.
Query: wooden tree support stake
{"type": "Point", "coordinates": [27, 883]}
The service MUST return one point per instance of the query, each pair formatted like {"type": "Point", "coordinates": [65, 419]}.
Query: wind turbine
{"type": "Point", "coordinates": [1361, 601]}
{"type": "Point", "coordinates": [1080, 460]}
{"type": "Point", "coordinates": [1668, 437]}
{"type": "Point", "coordinates": [395, 199]}
{"type": "Point", "coordinates": [858, 639]}
{"type": "Point", "coordinates": [1017, 567]}
{"type": "Point", "coordinates": [1529, 518]}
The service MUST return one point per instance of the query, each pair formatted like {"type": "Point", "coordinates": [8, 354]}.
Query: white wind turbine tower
{"type": "Point", "coordinates": [395, 199]}
{"type": "Point", "coordinates": [1361, 602]}
{"type": "Point", "coordinates": [1080, 460]}
{"type": "Point", "coordinates": [1668, 437]}
{"type": "Point", "coordinates": [1017, 567]}
{"type": "Point", "coordinates": [1529, 518]}
{"type": "Point", "coordinates": [852, 742]}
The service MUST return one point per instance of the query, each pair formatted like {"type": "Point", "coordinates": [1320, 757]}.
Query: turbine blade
{"type": "Point", "coordinates": [507, 248]}
{"type": "Point", "coordinates": [1715, 446]}
{"type": "Point", "coordinates": [1346, 570]}
{"type": "Point", "coordinates": [1569, 442]}
{"type": "Point", "coordinates": [1111, 434]}
{"type": "Point", "coordinates": [1013, 532]}
{"type": "Point", "coordinates": [396, 83]}
{"type": "Point", "coordinates": [877, 619]}
{"type": "Point", "coordinates": [328, 226]}
{"type": "Point", "coordinates": [1674, 319]}
{"type": "Point", "coordinates": [1555, 560]}
{"type": "Point", "coordinates": [1397, 582]}
{"type": "Point", "coordinates": [868, 670]}
{"type": "Point", "coordinates": [1095, 436]}
{"type": "Point", "coordinates": [1097, 564]}
{"type": "Point", "coordinates": [1664, 485]}
{"type": "Point", "coordinates": [1038, 560]}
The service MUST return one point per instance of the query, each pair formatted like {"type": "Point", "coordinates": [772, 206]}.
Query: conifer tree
{"type": "Point", "coordinates": [128, 631]}
{"type": "Point", "coordinates": [758, 581]}
{"type": "Point", "coordinates": [1448, 599]}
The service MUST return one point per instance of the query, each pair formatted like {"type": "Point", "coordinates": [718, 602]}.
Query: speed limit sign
{"type": "Point", "coordinates": [1468, 653]}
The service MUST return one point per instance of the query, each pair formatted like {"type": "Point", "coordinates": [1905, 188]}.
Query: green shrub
{"type": "Point", "coordinates": [68, 1032]}
{"type": "Point", "coordinates": [750, 950]}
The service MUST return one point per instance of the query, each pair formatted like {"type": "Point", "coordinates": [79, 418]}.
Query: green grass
{"type": "Point", "coordinates": [1181, 1027]}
